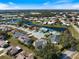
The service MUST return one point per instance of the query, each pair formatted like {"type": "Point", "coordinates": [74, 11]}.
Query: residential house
{"type": "Point", "coordinates": [14, 51]}
{"type": "Point", "coordinates": [5, 28]}
{"type": "Point", "coordinates": [55, 39]}
{"type": "Point", "coordinates": [43, 29]}
{"type": "Point", "coordinates": [2, 37]}
{"type": "Point", "coordinates": [4, 44]}
{"type": "Point", "coordinates": [25, 40]}
{"type": "Point", "coordinates": [25, 56]}
{"type": "Point", "coordinates": [17, 34]}
{"type": "Point", "coordinates": [40, 43]}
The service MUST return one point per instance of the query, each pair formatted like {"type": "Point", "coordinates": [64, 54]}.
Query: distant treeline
{"type": "Point", "coordinates": [41, 11]}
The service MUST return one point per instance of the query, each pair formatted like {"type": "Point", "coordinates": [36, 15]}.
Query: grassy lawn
{"type": "Point", "coordinates": [1, 52]}
{"type": "Point", "coordinates": [56, 26]}
{"type": "Point", "coordinates": [15, 42]}
{"type": "Point", "coordinates": [74, 33]}
{"type": "Point", "coordinates": [4, 20]}
{"type": "Point", "coordinates": [48, 25]}
{"type": "Point", "coordinates": [45, 20]}
{"type": "Point", "coordinates": [36, 23]}
{"type": "Point", "coordinates": [6, 57]}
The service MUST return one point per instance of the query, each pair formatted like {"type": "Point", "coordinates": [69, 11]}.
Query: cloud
{"type": "Point", "coordinates": [3, 6]}
{"type": "Point", "coordinates": [63, 1]}
{"type": "Point", "coordinates": [57, 4]}
{"type": "Point", "coordinates": [65, 4]}
{"type": "Point", "coordinates": [10, 5]}
{"type": "Point", "coordinates": [60, 4]}
{"type": "Point", "coordinates": [76, 6]}
{"type": "Point", "coordinates": [46, 3]}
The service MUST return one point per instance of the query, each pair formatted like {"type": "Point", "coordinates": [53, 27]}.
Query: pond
{"type": "Point", "coordinates": [13, 20]}
{"type": "Point", "coordinates": [53, 28]}
{"type": "Point", "coordinates": [31, 24]}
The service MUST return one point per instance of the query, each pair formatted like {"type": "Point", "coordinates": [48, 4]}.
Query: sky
{"type": "Point", "coordinates": [39, 4]}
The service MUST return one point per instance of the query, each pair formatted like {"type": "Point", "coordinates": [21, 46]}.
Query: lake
{"type": "Point", "coordinates": [31, 24]}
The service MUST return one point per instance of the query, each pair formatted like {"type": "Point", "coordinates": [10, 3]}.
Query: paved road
{"type": "Point", "coordinates": [5, 51]}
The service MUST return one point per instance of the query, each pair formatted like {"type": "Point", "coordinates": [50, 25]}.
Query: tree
{"type": "Point", "coordinates": [66, 40]}
{"type": "Point", "coordinates": [5, 35]}
{"type": "Point", "coordinates": [49, 52]}
{"type": "Point", "coordinates": [20, 23]}
{"type": "Point", "coordinates": [77, 45]}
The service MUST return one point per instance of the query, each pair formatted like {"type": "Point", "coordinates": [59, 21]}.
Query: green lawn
{"type": "Point", "coordinates": [1, 52]}
{"type": "Point", "coordinates": [6, 57]}
{"type": "Point", "coordinates": [15, 42]}
{"type": "Point", "coordinates": [74, 33]}
{"type": "Point", "coordinates": [50, 26]}
{"type": "Point", "coordinates": [56, 26]}
{"type": "Point", "coordinates": [4, 20]}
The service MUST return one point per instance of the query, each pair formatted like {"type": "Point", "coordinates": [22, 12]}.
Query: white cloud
{"type": "Point", "coordinates": [60, 4]}
{"type": "Point", "coordinates": [46, 3]}
{"type": "Point", "coordinates": [3, 6]}
{"type": "Point", "coordinates": [63, 1]}
{"type": "Point", "coordinates": [76, 6]}
{"type": "Point", "coordinates": [66, 6]}
{"type": "Point", "coordinates": [8, 6]}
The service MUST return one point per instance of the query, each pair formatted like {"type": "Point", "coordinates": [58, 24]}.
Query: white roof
{"type": "Point", "coordinates": [18, 47]}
